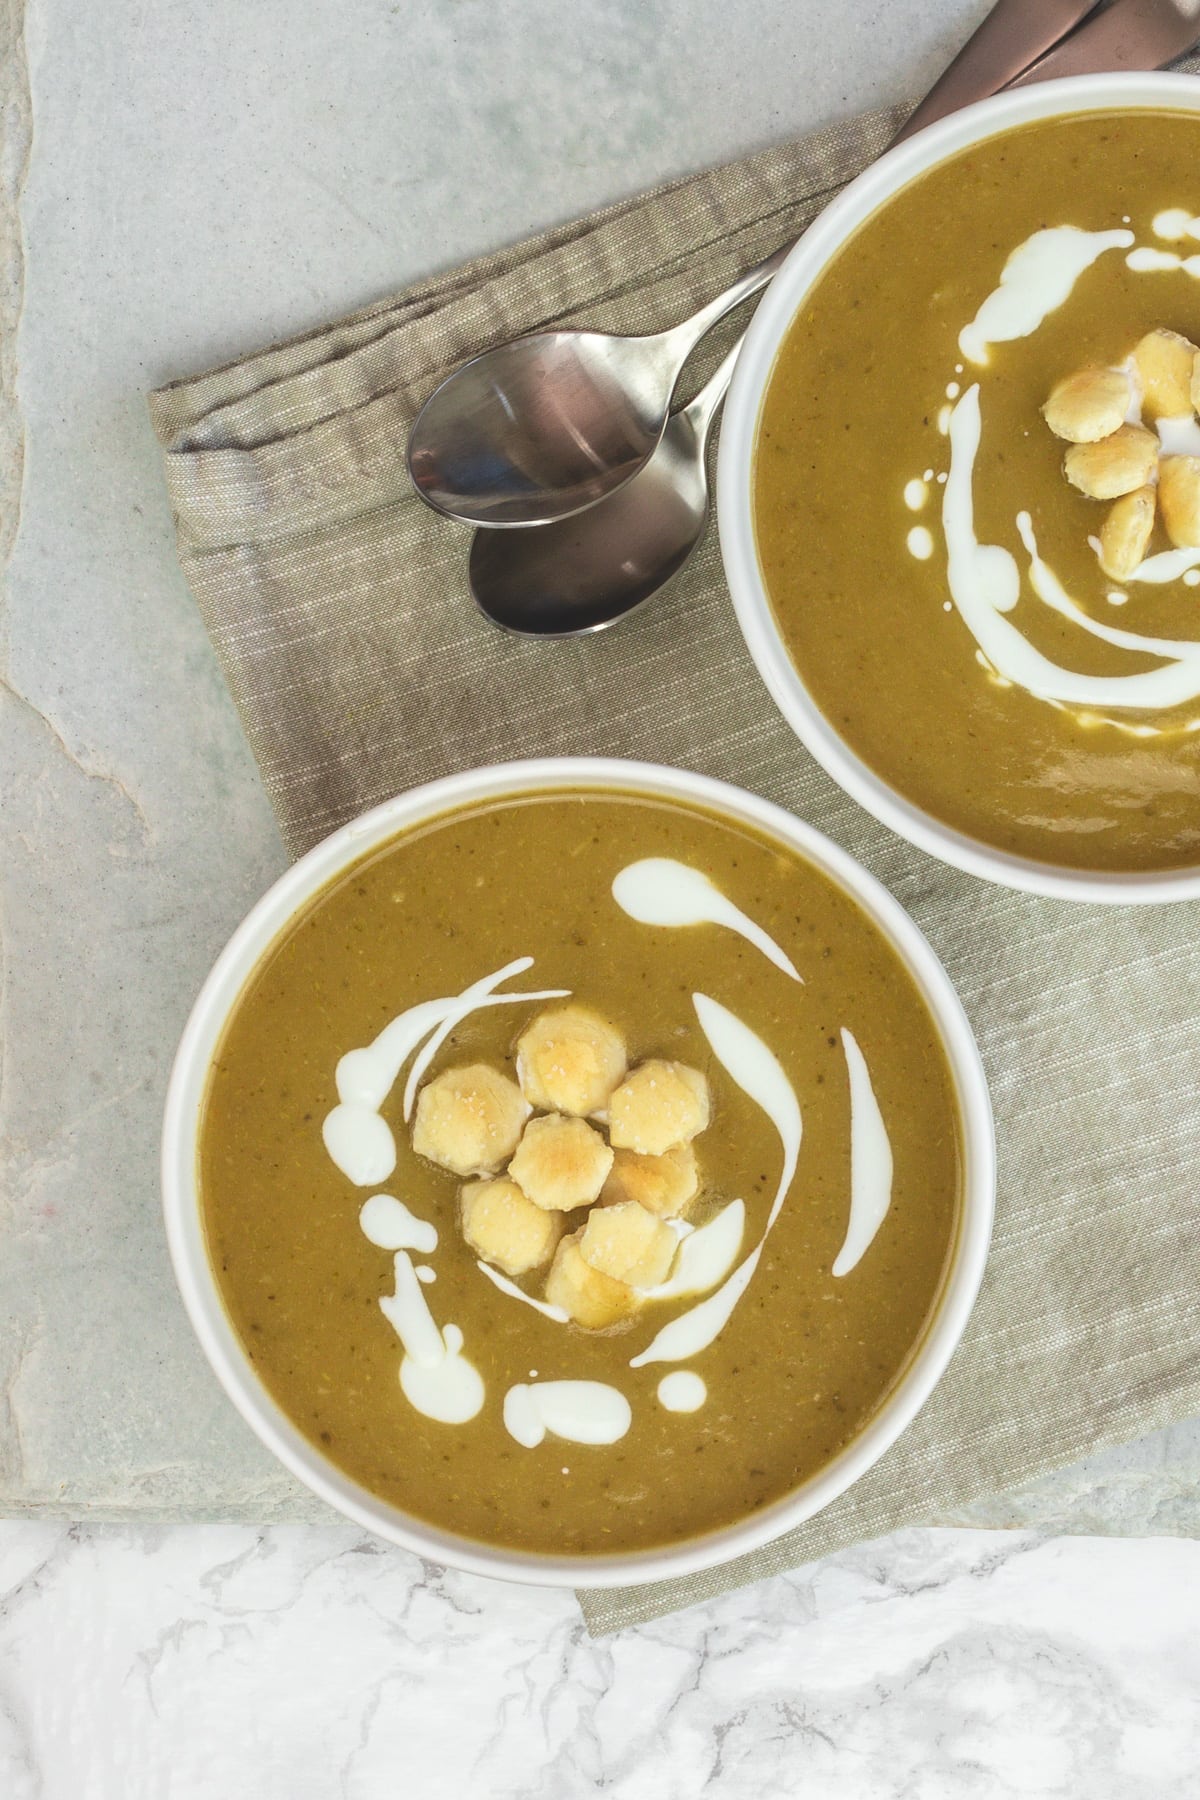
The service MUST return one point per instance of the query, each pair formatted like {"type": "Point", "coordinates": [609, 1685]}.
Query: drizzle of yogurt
{"type": "Point", "coordinates": [1175, 222]}
{"type": "Point", "coordinates": [758, 1072]}
{"type": "Point", "coordinates": [450, 1394]}
{"type": "Point", "coordinates": [1167, 566]}
{"type": "Point", "coordinates": [870, 1161]}
{"type": "Point", "coordinates": [1037, 278]}
{"type": "Point", "coordinates": [985, 583]}
{"type": "Point", "coordinates": [682, 1391]}
{"type": "Point", "coordinates": [510, 1288]}
{"type": "Point", "coordinates": [1049, 589]}
{"type": "Point", "coordinates": [472, 1000]}
{"type": "Point", "coordinates": [1179, 437]}
{"type": "Point", "coordinates": [705, 1256]}
{"type": "Point", "coordinates": [920, 543]}
{"type": "Point", "coordinates": [661, 891]}
{"type": "Point", "coordinates": [360, 1143]}
{"type": "Point", "coordinates": [583, 1412]}
{"type": "Point", "coordinates": [389, 1224]}
{"type": "Point", "coordinates": [698, 1327]}
{"type": "Point", "coordinates": [1133, 412]}
{"type": "Point", "coordinates": [1146, 261]}
{"type": "Point", "coordinates": [407, 1312]}
{"type": "Point", "coordinates": [359, 1140]}
{"type": "Point", "coordinates": [365, 1077]}
{"type": "Point", "coordinates": [916, 492]}
{"type": "Point", "coordinates": [435, 1376]}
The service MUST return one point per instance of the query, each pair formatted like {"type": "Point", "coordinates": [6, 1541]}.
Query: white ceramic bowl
{"type": "Point", "coordinates": [739, 429]}
{"type": "Point", "coordinates": [181, 1200]}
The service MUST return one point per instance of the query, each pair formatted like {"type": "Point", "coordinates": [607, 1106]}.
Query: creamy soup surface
{"type": "Point", "coordinates": [938, 575]}
{"type": "Point", "coordinates": [566, 1343]}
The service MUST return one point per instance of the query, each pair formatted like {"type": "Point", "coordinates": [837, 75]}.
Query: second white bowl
{"type": "Point", "coordinates": [735, 474]}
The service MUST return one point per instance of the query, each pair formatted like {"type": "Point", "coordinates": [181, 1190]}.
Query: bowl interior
{"type": "Point", "coordinates": [735, 477]}
{"type": "Point", "coordinates": [185, 1229]}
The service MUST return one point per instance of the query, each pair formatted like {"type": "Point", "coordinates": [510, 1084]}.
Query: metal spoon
{"type": "Point", "coordinates": [582, 574]}
{"type": "Point", "coordinates": [540, 428]}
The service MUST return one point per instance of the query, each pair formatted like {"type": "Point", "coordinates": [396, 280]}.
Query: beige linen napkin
{"type": "Point", "coordinates": [339, 609]}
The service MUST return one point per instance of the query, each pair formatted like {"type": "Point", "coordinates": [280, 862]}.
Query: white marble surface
{"type": "Point", "coordinates": [301, 1663]}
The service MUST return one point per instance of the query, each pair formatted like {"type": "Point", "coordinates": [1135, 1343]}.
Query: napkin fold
{"type": "Point", "coordinates": [339, 610]}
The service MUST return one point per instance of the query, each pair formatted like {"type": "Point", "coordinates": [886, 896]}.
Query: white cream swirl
{"type": "Point", "coordinates": [871, 1164]}
{"type": "Point", "coordinates": [359, 1140]}
{"type": "Point", "coordinates": [1035, 281]}
{"type": "Point", "coordinates": [435, 1376]}
{"type": "Point", "coordinates": [582, 1412]}
{"type": "Point", "coordinates": [759, 1073]}
{"type": "Point", "coordinates": [984, 579]}
{"type": "Point", "coordinates": [660, 891]}
{"type": "Point", "coordinates": [985, 583]}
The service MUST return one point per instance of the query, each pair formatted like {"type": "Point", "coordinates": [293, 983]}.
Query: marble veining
{"type": "Point", "coordinates": [139, 1663]}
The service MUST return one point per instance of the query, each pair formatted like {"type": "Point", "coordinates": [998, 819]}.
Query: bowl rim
{"type": "Point", "coordinates": [253, 939]}
{"type": "Point", "coordinates": [804, 265]}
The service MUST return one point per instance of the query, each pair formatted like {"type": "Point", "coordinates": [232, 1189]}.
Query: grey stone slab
{"type": "Point", "coordinates": [1150, 1488]}
{"type": "Point", "coordinates": [201, 178]}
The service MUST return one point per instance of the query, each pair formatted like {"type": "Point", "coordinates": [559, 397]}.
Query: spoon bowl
{"type": "Point", "coordinates": [537, 430]}
{"type": "Point", "coordinates": [580, 575]}
{"type": "Point", "coordinates": [553, 422]}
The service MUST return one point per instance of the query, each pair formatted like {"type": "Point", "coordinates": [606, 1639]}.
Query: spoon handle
{"type": "Point", "coordinates": [703, 409]}
{"type": "Point", "coordinates": [684, 337]}
{"type": "Point", "coordinates": [1130, 34]}
{"type": "Point", "coordinates": [1012, 36]}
